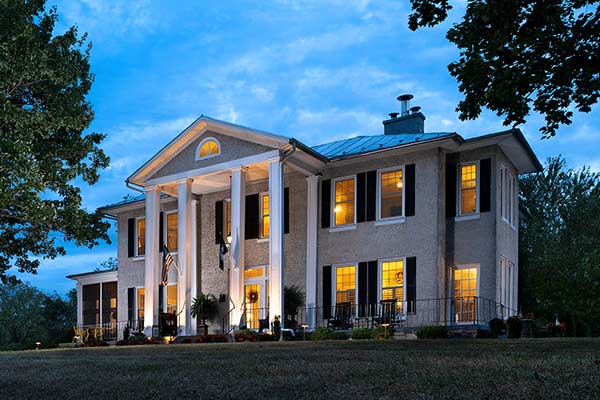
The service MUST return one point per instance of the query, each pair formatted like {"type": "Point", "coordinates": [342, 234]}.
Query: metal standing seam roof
{"type": "Point", "coordinates": [365, 144]}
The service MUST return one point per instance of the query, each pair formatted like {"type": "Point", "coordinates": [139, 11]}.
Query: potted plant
{"type": "Point", "coordinates": [293, 298]}
{"type": "Point", "coordinates": [204, 307]}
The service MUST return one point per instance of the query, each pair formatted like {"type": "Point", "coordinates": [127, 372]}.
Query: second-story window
{"type": "Point", "coordinates": [172, 231]}
{"type": "Point", "coordinates": [264, 215]}
{"type": "Point", "coordinates": [391, 193]}
{"type": "Point", "coordinates": [141, 236]}
{"type": "Point", "coordinates": [468, 188]}
{"type": "Point", "coordinates": [344, 200]}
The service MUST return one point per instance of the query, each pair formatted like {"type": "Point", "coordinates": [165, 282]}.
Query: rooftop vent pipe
{"type": "Point", "coordinates": [404, 103]}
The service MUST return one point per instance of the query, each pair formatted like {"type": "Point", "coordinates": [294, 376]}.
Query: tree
{"type": "Point", "coordinates": [110, 264]}
{"type": "Point", "coordinates": [44, 80]}
{"type": "Point", "coordinates": [518, 55]}
{"type": "Point", "coordinates": [559, 246]}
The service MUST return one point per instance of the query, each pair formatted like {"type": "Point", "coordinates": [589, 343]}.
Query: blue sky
{"type": "Point", "coordinates": [317, 70]}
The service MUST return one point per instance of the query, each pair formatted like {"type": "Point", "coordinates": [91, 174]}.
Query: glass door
{"type": "Point", "coordinates": [255, 297]}
{"type": "Point", "coordinates": [465, 292]}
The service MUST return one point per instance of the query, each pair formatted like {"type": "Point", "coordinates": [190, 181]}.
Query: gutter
{"type": "Point", "coordinates": [308, 150]}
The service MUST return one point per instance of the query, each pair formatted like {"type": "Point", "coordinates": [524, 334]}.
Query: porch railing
{"type": "Point", "coordinates": [473, 310]}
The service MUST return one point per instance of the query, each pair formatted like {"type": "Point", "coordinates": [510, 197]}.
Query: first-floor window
{"type": "Point", "coordinates": [391, 190]}
{"type": "Point", "coordinates": [345, 284]}
{"type": "Point", "coordinates": [172, 299]}
{"type": "Point", "coordinates": [264, 215]}
{"type": "Point", "coordinates": [91, 304]}
{"type": "Point", "coordinates": [141, 236]}
{"type": "Point", "coordinates": [228, 217]}
{"type": "Point", "coordinates": [344, 200]}
{"type": "Point", "coordinates": [392, 282]}
{"type": "Point", "coordinates": [465, 292]}
{"type": "Point", "coordinates": [140, 304]}
{"type": "Point", "coordinates": [172, 231]}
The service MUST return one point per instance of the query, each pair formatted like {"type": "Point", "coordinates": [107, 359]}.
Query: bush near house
{"type": "Point", "coordinates": [378, 333]}
{"type": "Point", "coordinates": [514, 326]}
{"type": "Point", "coordinates": [212, 338]}
{"type": "Point", "coordinates": [327, 334]}
{"type": "Point", "coordinates": [432, 332]}
{"type": "Point", "coordinates": [497, 327]}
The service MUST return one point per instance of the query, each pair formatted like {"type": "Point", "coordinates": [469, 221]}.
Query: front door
{"type": "Point", "coordinates": [256, 297]}
{"type": "Point", "coordinates": [465, 292]}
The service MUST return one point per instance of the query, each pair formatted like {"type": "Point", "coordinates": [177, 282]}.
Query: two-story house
{"type": "Point", "coordinates": [406, 227]}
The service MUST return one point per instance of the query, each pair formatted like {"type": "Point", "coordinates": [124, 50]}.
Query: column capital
{"type": "Point", "coordinates": [274, 159]}
{"type": "Point", "coordinates": [313, 178]}
{"type": "Point", "coordinates": [184, 180]}
{"type": "Point", "coordinates": [151, 188]}
{"type": "Point", "coordinates": [241, 168]}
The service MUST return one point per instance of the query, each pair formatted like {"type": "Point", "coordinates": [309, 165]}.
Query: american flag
{"type": "Point", "coordinates": [167, 263]}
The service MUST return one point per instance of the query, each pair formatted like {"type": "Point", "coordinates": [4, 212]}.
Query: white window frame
{"type": "Point", "coordinates": [472, 215]}
{"type": "Point", "coordinates": [166, 230]}
{"type": "Point", "coordinates": [261, 237]}
{"type": "Point", "coordinates": [137, 288]}
{"type": "Point", "coordinates": [380, 279]}
{"type": "Point", "coordinates": [399, 218]}
{"type": "Point", "coordinates": [166, 297]}
{"type": "Point", "coordinates": [225, 202]}
{"type": "Point", "coordinates": [210, 138]}
{"type": "Point", "coordinates": [334, 282]}
{"type": "Point", "coordinates": [503, 193]}
{"type": "Point", "coordinates": [514, 202]}
{"type": "Point", "coordinates": [135, 240]}
{"type": "Point", "coordinates": [465, 266]}
{"type": "Point", "coordinates": [332, 201]}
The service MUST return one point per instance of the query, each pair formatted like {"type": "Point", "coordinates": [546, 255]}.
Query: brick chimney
{"type": "Point", "coordinates": [410, 120]}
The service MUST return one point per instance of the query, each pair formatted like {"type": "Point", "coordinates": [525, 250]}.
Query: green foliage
{"type": "Point", "coordinates": [362, 333]}
{"type": "Point", "coordinates": [327, 334]}
{"type": "Point", "coordinates": [44, 81]}
{"type": "Point", "coordinates": [432, 332]}
{"type": "Point", "coordinates": [126, 332]}
{"type": "Point", "coordinates": [559, 245]}
{"type": "Point", "coordinates": [110, 264]}
{"type": "Point", "coordinates": [28, 315]}
{"type": "Point", "coordinates": [497, 327]}
{"type": "Point", "coordinates": [381, 332]}
{"type": "Point", "coordinates": [204, 307]}
{"type": "Point", "coordinates": [293, 298]}
{"type": "Point", "coordinates": [518, 56]}
{"type": "Point", "coordinates": [514, 327]}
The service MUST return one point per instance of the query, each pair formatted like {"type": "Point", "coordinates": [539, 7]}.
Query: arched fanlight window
{"type": "Point", "coordinates": [208, 148]}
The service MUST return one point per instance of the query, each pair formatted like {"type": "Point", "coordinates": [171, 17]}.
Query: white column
{"type": "Point", "coordinates": [238, 226]}
{"type": "Point", "coordinates": [79, 303]}
{"type": "Point", "coordinates": [194, 260]}
{"type": "Point", "coordinates": [151, 259]}
{"type": "Point", "coordinates": [184, 250]}
{"type": "Point", "coordinates": [276, 239]}
{"type": "Point", "coordinates": [312, 220]}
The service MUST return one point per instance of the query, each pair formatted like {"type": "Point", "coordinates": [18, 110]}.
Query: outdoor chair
{"type": "Point", "coordinates": [342, 318]}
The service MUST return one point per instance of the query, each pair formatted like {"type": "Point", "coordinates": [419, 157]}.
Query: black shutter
{"type": "Point", "coordinates": [327, 292]}
{"type": "Point", "coordinates": [371, 195]}
{"type": "Point", "coordinates": [410, 190]}
{"type": "Point", "coordinates": [326, 203]}
{"type": "Point", "coordinates": [486, 182]}
{"type": "Point", "coordinates": [411, 284]}
{"type": "Point", "coordinates": [373, 292]}
{"type": "Point", "coordinates": [363, 288]}
{"type": "Point", "coordinates": [161, 299]}
{"type": "Point", "coordinates": [161, 229]}
{"type": "Point", "coordinates": [130, 237]}
{"type": "Point", "coordinates": [361, 199]}
{"type": "Point", "coordinates": [218, 221]}
{"type": "Point", "coordinates": [131, 304]}
{"type": "Point", "coordinates": [286, 210]}
{"type": "Point", "coordinates": [252, 216]}
{"type": "Point", "coordinates": [450, 187]}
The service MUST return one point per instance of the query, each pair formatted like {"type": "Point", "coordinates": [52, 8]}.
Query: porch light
{"type": "Point", "coordinates": [385, 326]}
{"type": "Point", "coordinates": [37, 345]}
{"type": "Point", "coordinates": [229, 238]}
{"type": "Point", "coordinates": [399, 184]}
{"type": "Point", "coordinates": [304, 326]}
{"type": "Point", "coordinates": [337, 209]}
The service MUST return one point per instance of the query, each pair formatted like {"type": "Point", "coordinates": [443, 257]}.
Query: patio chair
{"type": "Point", "coordinates": [387, 312]}
{"type": "Point", "coordinates": [342, 318]}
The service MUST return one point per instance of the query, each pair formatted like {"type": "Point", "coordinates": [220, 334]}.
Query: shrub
{"type": "Point", "coordinates": [381, 333]}
{"type": "Point", "coordinates": [263, 337]}
{"type": "Point", "coordinates": [213, 338]}
{"type": "Point", "coordinates": [137, 338]}
{"type": "Point", "coordinates": [432, 332]}
{"type": "Point", "coordinates": [245, 337]}
{"type": "Point", "coordinates": [497, 327]}
{"type": "Point", "coordinates": [514, 326]}
{"type": "Point", "coordinates": [362, 333]}
{"type": "Point", "coordinates": [126, 334]}
{"type": "Point", "coordinates": [327, 334]}
{"type": "Point", "coordinates": [122, 342]}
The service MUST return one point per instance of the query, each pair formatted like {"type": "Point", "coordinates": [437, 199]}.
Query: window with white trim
{"type": "Point", "coordinates": [264, 215]}
{"type": "Point", "coordinates": [507, 285]}
{"type": "Point", "coordinates": [140, 237]}
{"type": "Point", "coordinates": [392, 282]}
{"type": "Point", "coordinates": [391, 193]}
{"type": "Point", "coordinates": [208, 148]}
{"type": "Point", "coordinates": [345, 284]}
{"type": "Point", "coordinates": [140, 303]}
{"type": "Point", "coordinates": [468, 188]}
{"type": "Point", "coordinates": [171, 233]}
{"type": "Point", "coordinates": [344, 200]}
{"type": "Point", "coordinates": [508, 197]}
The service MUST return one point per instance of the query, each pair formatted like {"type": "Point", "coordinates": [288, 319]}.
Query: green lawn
{"type": "Point", "coordinates": [532, 369]}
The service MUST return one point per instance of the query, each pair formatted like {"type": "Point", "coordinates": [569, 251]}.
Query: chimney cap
{"type": "Point", "coordinates": [415, 109]}
{"type": "Point", "coordinates": [405, 97]}
{"type": "Point", "coordinates": [394, 115]}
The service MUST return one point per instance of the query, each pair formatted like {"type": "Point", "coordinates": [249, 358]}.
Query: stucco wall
{"type": "Point", "coordinates": [231, 149]}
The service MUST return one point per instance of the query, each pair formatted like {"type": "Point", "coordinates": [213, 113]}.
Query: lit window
{"type": "Point", "coordinates": [392, 282]}
{"type": "Point", "coordinates": [391, 194]}
{"type": "Point", "coordinates": [465, 290]}
{"type": "Point", "coordinates": [254, 272]}
{"type": "Point", "coordinates": [264, 212]}
{"type": "Point", "coordinates": [344, 202]}
{"type": "Point", "coordinates": [172, 299]}
{"type": "Point", "coordinates": [140, 303]}
{"type": "Point", "coordinates": [345, 284]}
{"type": "Point", "coordinates": [141, 236]}
{"type": "Point", "coordinates": [172, 231]}
{"type": "Point", "coordinates": [208, 148]}
{"type": "Point", "coordinates": [468, 189]}
{"type": "Point", "coordinates": [228, 218]}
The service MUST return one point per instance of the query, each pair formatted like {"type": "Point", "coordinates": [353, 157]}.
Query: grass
{"type": "Point", "coordinates": [526, 369]}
